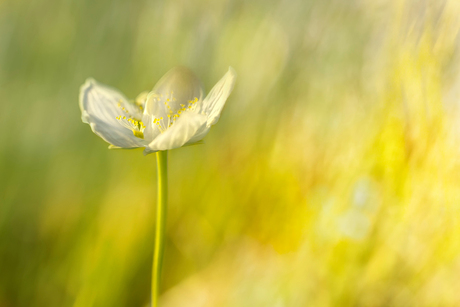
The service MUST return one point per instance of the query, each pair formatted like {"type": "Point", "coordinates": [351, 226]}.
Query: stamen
{"type": "Point", "coordinates": [173, 116]}
{"type": "Point", "coordinates": [172, 113]}
{"type": "Point", "coordinates": [136, 126]}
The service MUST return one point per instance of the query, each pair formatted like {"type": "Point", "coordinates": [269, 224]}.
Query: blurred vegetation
{"type": "Point", "coordinates": [332, 178]}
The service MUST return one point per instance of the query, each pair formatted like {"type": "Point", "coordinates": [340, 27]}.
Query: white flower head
{"type": "Point", "coordinates": [172, 115]}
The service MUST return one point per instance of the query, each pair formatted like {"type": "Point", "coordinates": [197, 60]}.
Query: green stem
{"type": "Point", "coordinates": [162, 168]}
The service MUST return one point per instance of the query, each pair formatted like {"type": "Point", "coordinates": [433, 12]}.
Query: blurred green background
{"type": "Point", "coordinates": [332, 178]}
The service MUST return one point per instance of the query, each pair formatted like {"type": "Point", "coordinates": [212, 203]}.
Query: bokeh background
{"type": "Point", "coordinates": [332, 178]}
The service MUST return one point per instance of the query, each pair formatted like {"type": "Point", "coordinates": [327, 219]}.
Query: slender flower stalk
{"type": "Point", "coordinates": [162, 169]}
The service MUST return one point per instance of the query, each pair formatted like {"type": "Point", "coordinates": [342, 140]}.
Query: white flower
{"type": "Point", "coordinates": [172, 115]}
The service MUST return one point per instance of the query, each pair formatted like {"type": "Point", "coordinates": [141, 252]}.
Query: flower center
{"type": "Point", "coordinates": [135, 125]}
{"type": "Point", "coordinates": [173, 110]}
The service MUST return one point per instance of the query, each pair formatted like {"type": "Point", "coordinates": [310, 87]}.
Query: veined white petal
{"type": "Point", "coordinates": [199, 135]}
{"type": "Point", "coordinates": [214, 102]}
{"type": "Point", "coordinates": [105, 102]}
{"type": "Point", "coordinates": [100, 106]}
{"type": "Point", "coordinates": [180, 133]}
{"type": "Point", "coordinates": [117, 136]}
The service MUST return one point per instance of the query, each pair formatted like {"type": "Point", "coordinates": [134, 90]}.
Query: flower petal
{"type": "Point", "coordinates": [214, 102]}
{"type": "Point", "coordinates": [180, 133]}
{"type": "Point", "coordinates": [199, 135]}
{"type": "Point", "coordinates": [99, 108]}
